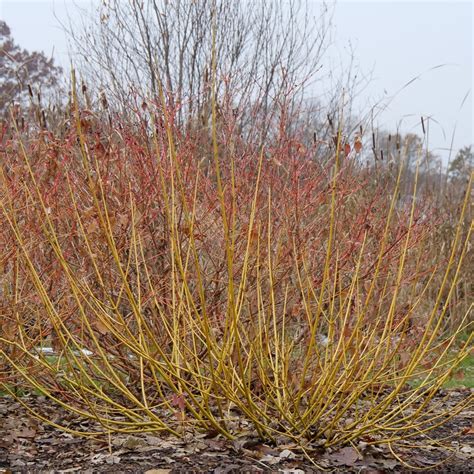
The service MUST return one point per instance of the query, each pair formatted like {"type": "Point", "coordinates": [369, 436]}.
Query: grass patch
{"type": "Point", "coordinates": [464, 374]}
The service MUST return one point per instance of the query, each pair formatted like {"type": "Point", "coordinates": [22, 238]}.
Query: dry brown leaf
{"type": "Point", "coordinates": [25, 432]}
{"type": "Point", "coordinates": [345, 457]}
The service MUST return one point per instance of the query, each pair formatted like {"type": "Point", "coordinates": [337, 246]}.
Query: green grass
{"type": "Point", "coordinates": [464, 375]}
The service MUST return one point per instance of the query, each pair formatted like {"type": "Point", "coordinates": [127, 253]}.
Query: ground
{"type": "Point", "coordinates": [28, 445]}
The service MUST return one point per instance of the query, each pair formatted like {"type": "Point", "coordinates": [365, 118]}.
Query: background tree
{"type": "Point", "coordinates": [20, 68]}
{"type": "Point", "coordinates": [392, 150]}
{"type": "Point", "coordinates": [463, 164]}
{"type": "Point", "coordinates": [268, 53]}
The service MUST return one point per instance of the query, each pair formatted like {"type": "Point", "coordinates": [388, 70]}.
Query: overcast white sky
{"type": "Point", "coordinates": [396, 41]}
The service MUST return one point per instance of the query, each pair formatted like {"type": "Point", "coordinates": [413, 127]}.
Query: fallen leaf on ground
{"type": "Point", "coordinates": [345, 457]}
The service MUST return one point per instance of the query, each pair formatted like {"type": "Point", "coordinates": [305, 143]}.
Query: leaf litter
{"type": "Point", "coordinates": [30, 445]}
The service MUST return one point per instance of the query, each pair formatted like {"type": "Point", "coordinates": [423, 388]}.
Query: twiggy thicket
{"type": "Point", "coordinates": [190, 278]}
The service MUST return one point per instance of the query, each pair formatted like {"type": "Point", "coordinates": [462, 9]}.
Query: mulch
{"type": "Point", "coordinates": [28, 445]}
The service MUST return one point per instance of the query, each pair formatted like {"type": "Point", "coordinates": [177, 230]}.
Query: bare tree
{"type": "Point", "coordinates": [267, 54]}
